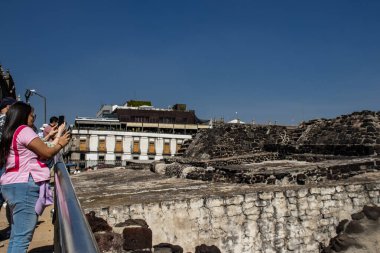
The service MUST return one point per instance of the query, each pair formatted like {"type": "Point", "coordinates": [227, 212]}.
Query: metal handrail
{"type": "Point", "coordinates": [72, 233]}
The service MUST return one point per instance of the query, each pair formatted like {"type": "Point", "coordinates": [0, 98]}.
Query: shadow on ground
{"type": "Point", "coordinates": [4, 233]}
{"type": "Point", "coordinates": [44, 249]}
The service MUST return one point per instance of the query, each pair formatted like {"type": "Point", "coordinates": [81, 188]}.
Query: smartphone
{"type": "Point", "coordinates": [61, 119]}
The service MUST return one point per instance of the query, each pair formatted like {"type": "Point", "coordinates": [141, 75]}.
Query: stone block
{"type": "Point", "coordinates": [339, 196]}
{"type": "Point", "coordinates": [359, 201]}
{"type": "Point", "coordinates": [279, 195]}
{"type": "Point", "coordinates": [314, 205]}
{"type": "Point", "coordinates": [108, 241]}
{"type": "Point", "coordinates": [328, 191]}
{"type": "Point", "coordinates": [265, 195]}
{"type": "Point", "coordinates": [301, 193]}
{"type": "Point", "coordinates": [261, 203]}
{"type": "Point", "coordinates": [97, 224]}
{"type": "Point", "coordinates": [372, 187]}
{"type": "Point", "coordinates": [294, 244]}
{"type": "Point", "coordinates": [312, 247]}
{"type": "Point", "coordinates": [294, 213]}
{"type": "Point", "coordinates": [137, 238]}
{"type": "Point", "coordinates": [313, 212]}
{"type": "Point", "coordinates": [167, 248]}
{"type": "Point", "coordinates": [354, 188]}
{"type": "Point", "coordinates": [353, 195]}
{"type": "Point", "coordinates": [315, 191]}
{"type": "Point", "coordinates": [290, 193]}
{"type": "Point", "coordinates": [218, 212]}
{"type": "Point", "coordinates": [340, 188]}
{"type": "Point", "coordinates": [207, 249]}
{"type": "Point", "coordinates": [371, 212]}
{"type": "Point", "coordinates": [303, 204]}
{"type": "Point", "coordinates": [323, 197]}
{"type": "Point", "coordinates": [214, 202]}
{"type": "Point", "coordinates": [292, 200]}
{"type": "Point", "coordinates": [235, 200]}
{"type": "Point", "coordinates": [196, 203]}
{"type": "Point", "coordinates": [329, 203]}
{"type": "Point", "coordinates": [292, 207]}
{"type": "Point", "coordinates": [234, 210]}
{"type": "Point", "coordinates": [281, 232]}
{"type": "Point", "coordinates": [373, 194]}
{"type": "Point", "coordinates": [324, 222]}
{"type": "Point", "coordinates": [250, 197]}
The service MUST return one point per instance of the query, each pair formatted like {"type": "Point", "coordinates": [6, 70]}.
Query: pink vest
{"type": "Point", "coordinates": [22, 162]}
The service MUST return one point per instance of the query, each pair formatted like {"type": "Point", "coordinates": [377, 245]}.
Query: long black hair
{"type": "Point", "coordinates": [16, 116]}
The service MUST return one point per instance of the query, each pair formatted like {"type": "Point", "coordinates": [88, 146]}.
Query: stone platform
{"type": "Point", "coordinates": [234, 217]}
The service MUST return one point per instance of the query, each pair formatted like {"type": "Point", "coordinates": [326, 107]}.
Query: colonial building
{"type": "Point", "coordinates": [133, 131]}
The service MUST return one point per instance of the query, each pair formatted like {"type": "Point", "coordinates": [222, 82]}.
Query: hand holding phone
{"type": "Point", "coordinates": [61, 119]}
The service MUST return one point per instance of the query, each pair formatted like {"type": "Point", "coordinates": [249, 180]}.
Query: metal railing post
{"type": "Point", "coordinates": [72, 233]}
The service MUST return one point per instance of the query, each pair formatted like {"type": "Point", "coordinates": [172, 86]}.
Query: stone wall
{"type": "Point", "coordinates": [356, 134]}
{"type": "Point", "coordinates": [292, 219]}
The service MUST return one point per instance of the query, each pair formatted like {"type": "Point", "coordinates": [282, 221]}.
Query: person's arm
{"type": "Point", "coordinates": [45, 152]}
{"type": "Point", "coordinates": [51, 134]}
{"type": "Point", "coordinates": [60, 130]}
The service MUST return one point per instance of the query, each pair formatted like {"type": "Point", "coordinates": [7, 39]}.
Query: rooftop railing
{"type": "Point", "coordinates": [72, 234]}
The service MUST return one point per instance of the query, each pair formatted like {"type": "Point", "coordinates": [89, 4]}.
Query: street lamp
{"type": "Point", "coordinates": [29, 93]}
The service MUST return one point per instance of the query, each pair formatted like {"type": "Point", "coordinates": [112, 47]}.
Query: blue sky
{"type": "Point", "coordinates": [283, 61]}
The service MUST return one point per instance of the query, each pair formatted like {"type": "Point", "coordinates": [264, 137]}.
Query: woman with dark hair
{"type": "Point", "coordinates": [22, 153]}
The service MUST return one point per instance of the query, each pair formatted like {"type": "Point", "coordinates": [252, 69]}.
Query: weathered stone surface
{"type": "Point", "coordinates": [169, 247]}
{"type": "Point", "coordinates": [137, 238]}
{"type": "Point", "coordinates": [354, 227]}
{"type": "Point", "coordinates": [207, 249]}
{"type": "Point", "coordinates": [371, 212]}
{"type": "Point", "coordinates": [97, 224]}
{"type": "Point", "coordinates": [109, 241]}
{"type": "Point", "coordinates": [229, 216]}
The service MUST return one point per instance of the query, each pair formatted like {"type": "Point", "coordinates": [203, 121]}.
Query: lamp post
{"type": "Point", "coordinates": [29, 93]}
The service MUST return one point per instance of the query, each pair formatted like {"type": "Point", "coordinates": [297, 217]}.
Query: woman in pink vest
{"type": "Point", "coordinates": [22, 153]}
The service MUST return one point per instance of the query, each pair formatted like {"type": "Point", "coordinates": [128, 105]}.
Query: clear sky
{"type": "Point", "coordinates": [283, 61]}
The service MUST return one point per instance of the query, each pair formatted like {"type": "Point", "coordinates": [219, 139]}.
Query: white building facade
{"type": "Point", "coordinates": [97, 141]}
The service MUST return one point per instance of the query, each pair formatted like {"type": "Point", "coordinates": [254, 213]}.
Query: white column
{"type": "Point", "coordinates": [93, 143]}
{"type": "Point", "coordinates": [110, 146]}
{"type": "Point", "coordinates": [173, 146]}
{"type": "Point", "coordinates": [159, 148]}
{"type": "Point", "coordinates": [127, 148]}
{"type": "Point", "coordinates": [92, 156]}
{"type": "Point", "coordinates": [144, 144]}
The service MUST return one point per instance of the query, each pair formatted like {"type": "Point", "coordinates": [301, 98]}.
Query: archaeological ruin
{"type": "Point", "coordinates": [241, 188]}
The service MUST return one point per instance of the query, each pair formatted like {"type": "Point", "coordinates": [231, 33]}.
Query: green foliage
{"type": "Point", "coordinates": [137, 103]}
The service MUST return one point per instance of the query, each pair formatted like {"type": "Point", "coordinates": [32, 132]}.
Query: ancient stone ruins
{"type": "Point", "coordinates": [242, 188]}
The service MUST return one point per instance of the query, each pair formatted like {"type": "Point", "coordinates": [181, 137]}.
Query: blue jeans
{"type": "Point", "coordinates": [21, 198]}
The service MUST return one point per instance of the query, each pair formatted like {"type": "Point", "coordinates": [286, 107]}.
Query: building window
{"type": "Point", "coordinates": [151, 148]}
{"type": "Point", "coordinates": [136, 147]}
{"type": "Point", "coordinates": [119, 146]}
{"type": "Point", "coordinates": [118, 161]}
{"type": "Point", "coordinates": [166, 148]}
{"type": "Point", "coordinates": [166, 120]}
{"type": "Point", "coordinates": [179, 145]}
{"type": "Point", "coordinates": [101, 157]}
{"type": "Point", "coordinates": [102, 145]}
{"type": "Point", "coordinates": [82, 145]}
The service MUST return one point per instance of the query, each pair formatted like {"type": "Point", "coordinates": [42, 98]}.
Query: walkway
{"type": "Point", "coordinates": [43, 236]}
